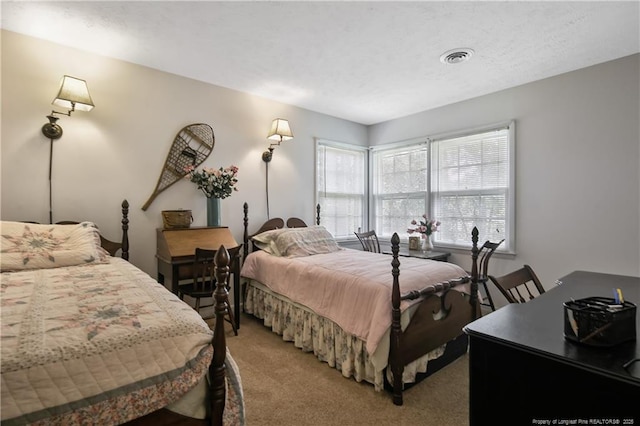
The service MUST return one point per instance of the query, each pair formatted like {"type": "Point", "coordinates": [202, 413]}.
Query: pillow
{"type": "Point", "coordinates": [299, 242]}
{"type": "Point", "coordinates": [267, 241]}
{"type": "Point", "coordinates": [36, 246]}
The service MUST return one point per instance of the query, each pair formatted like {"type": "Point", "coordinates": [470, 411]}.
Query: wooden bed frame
{"type": "Point", "coordinates": [424, 333]}
{"type": "Point", "coordinates": [217, 385]}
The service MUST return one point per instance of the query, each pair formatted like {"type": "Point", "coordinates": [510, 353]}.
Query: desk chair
{"type": "Point", "coordinates": [513, 285]}
{"type": "Point", "coordinates": [369, 241]}
{"type": "Point", "coordinates": [485, 253]}
{"type": "Point", "coordinates": [204, 281]}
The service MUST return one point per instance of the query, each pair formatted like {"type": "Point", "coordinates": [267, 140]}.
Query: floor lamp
{"type": "Point", "coordinates": [280, 131]}
{"type": "Point", "coordinates": [73, 94]}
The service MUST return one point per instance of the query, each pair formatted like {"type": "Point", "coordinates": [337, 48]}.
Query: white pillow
{"type": "Point", "coordinates": [297, 242]}
{"type": "Point", "coordinates": [36, 246]}
{"type": "Point", "coordinates": [267, 241]}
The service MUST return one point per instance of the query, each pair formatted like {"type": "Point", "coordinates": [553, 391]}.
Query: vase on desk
{"type": "Point", "coordinates": [213, 211]}
{"type": "Point", "coordinates": [427, 244]}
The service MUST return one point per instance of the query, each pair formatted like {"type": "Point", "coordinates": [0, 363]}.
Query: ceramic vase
{"type": "Point", "coordinates": [213, 211]}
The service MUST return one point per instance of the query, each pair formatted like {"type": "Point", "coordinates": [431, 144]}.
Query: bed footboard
{"type": "Point", "coordinates": [441, 316]}
{"type": "Point", "coordinates": [217, 367]}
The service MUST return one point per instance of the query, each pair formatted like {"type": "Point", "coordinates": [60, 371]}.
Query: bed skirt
{"type": "Point", "coordinates": [328, 342]}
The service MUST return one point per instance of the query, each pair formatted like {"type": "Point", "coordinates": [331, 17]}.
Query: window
{"type": "Point", "coordinates": [472, 184]}
{"type": "Point", "coordinates": [400, 187]}
{"type": "Point", "coordinates": [462, 180]}
{"type": "Point", "coordinates": [341, 186]}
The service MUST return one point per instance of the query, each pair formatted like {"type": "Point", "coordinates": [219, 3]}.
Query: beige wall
{"type": "Point", "coordinates": [578, 153]}
{"type": "Point", "coordinates": [117, 150]}
{"type": "Point", "coordinates": [577, 166]}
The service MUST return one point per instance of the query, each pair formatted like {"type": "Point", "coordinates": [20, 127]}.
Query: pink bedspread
{"type": "Point", "coordinates": [350, 287]}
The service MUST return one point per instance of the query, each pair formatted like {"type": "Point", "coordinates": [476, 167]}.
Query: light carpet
{"type": "Point", "coordinates": [285, 386]}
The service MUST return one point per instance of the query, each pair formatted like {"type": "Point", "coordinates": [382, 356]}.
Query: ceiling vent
{"type": "Point", "coordinates": [456, 56]}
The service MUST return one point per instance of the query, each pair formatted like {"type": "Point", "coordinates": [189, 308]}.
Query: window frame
{"type": "Point", "coordinates": [509, 246]}
{"type": "Point", "coordinates": [414, 144]}
{"type": "Point", "coordinates": [366, 183]}
{"type": "Point", "coordinates": [506, 248]}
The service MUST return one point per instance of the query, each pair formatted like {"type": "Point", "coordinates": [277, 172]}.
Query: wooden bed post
{"type": "Point", "coordinates": [474, 273]}
{"type": "Point", "coordinates": [396, 329]}
{"type": "Point", "coordinates": [125, 230]}
{"type": "Point", "coordinates": [318, 214]}
{"type": "Point", "coordinates": [217, 367]}
{"type": "Point", "coordinates": [245, 236]}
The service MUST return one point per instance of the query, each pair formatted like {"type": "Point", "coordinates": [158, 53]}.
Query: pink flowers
{"type": "Point", "coordinates": [216, 183]}
{"type": "Point", "coordinates": [425, 227]}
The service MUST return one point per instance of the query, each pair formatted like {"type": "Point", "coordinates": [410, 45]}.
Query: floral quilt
{"type": "Point", "coordinates": [101, 343]}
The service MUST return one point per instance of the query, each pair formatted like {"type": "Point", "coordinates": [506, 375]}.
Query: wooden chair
{"type": "Point", "coordinates": [369, 241]}
{"type": "Point", "coordinates": [204, 281]}
{"type": "Point", "coordinates": [484, 254]}
{"type": "Point", "coordinates": [519, 284]}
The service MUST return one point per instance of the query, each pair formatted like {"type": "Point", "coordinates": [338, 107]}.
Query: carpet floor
{"type": "Point", "coordinates": [285, 386]}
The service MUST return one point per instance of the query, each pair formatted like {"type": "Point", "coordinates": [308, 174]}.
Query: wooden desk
{"type": "Point", "coordinates": [176, 249]}
{"type": "Point", "coordinates": [522, 369]}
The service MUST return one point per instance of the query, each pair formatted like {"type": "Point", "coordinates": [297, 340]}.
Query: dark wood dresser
{"type": "Point", "coordinates": [522, 371]}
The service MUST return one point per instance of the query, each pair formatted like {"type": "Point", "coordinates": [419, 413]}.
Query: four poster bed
{"type": "Point", "coordinates": [361, 312]}
{"type": "Point", "coordinates": [88, 338]}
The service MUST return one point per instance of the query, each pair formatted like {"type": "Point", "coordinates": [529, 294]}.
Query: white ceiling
{"type": "Point", "coordinates": [366, 62]}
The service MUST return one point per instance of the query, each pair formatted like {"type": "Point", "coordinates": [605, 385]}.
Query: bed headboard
{"type": "Point", "coordinates": [111, 246]}
{"type": "Point", "coordinates": [274, 223]}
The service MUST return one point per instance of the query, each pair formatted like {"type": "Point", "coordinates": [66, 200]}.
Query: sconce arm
{"type": "Point", "coordinates": [68, 113]}
{"type": "Point", "coordinates": [52, 130]}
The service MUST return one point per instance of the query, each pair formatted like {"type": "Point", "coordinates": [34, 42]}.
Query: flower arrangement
{"type": "Point", "coordinates": [216, 183]}
{"type": "Point", "coordinates": [425, 227]}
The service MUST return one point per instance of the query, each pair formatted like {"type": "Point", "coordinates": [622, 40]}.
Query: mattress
{"type": "Point", "coordinates": [100, 343]}
{"type": "Point", "coordinates": [350, 287]}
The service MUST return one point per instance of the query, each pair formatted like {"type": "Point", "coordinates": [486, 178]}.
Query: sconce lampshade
{"type": "Point", "coordinates": [74, 94]}
{"type": "Point", "coordinates": [280, 130]}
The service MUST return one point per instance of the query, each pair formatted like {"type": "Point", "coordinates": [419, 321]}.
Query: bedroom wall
{"type": "Point", "coordinates": [117, 150]}
{"type": "Point", "coordinates": [578, 153]}
{"type": "Point", "coordinates": [577, 167]}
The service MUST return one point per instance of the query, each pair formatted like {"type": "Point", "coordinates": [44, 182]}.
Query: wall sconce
{"type": "Point", "coordinates": [280, 131]}
{"type": "Point", "coordinates": [73, 94]}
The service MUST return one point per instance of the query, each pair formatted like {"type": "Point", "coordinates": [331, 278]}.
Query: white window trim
{"type": "Point", "coordinates": [511, 202]}
{"type": "Point", "coordinates": [511, 213]}
{"type": "Point", "coordinates": [367, 189]}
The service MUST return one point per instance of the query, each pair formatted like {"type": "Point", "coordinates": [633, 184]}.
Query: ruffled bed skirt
{"type": "Point", "coordinates": [328, 342]}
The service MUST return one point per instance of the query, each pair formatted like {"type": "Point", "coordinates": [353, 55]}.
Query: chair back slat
{"type": "Point", "coordinates": [203, 270]}
{"type": "Point", "coordinates": [369, 241]}
{"type": "Point", "coordinates": [485, 253]}
{"type": "Point", "coordinates": [514, 284]}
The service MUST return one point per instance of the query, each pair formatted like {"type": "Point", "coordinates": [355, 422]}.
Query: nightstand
{"type": "Point", "coordinates": [442, 256]}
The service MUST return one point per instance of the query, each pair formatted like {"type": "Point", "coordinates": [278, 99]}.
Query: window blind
{"type": "Point", "coordinates": [400, 187]}
{"type": "Point", "coordinates": [472, 185]}
{"type": "Point", "coordinates": [341, 186]}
